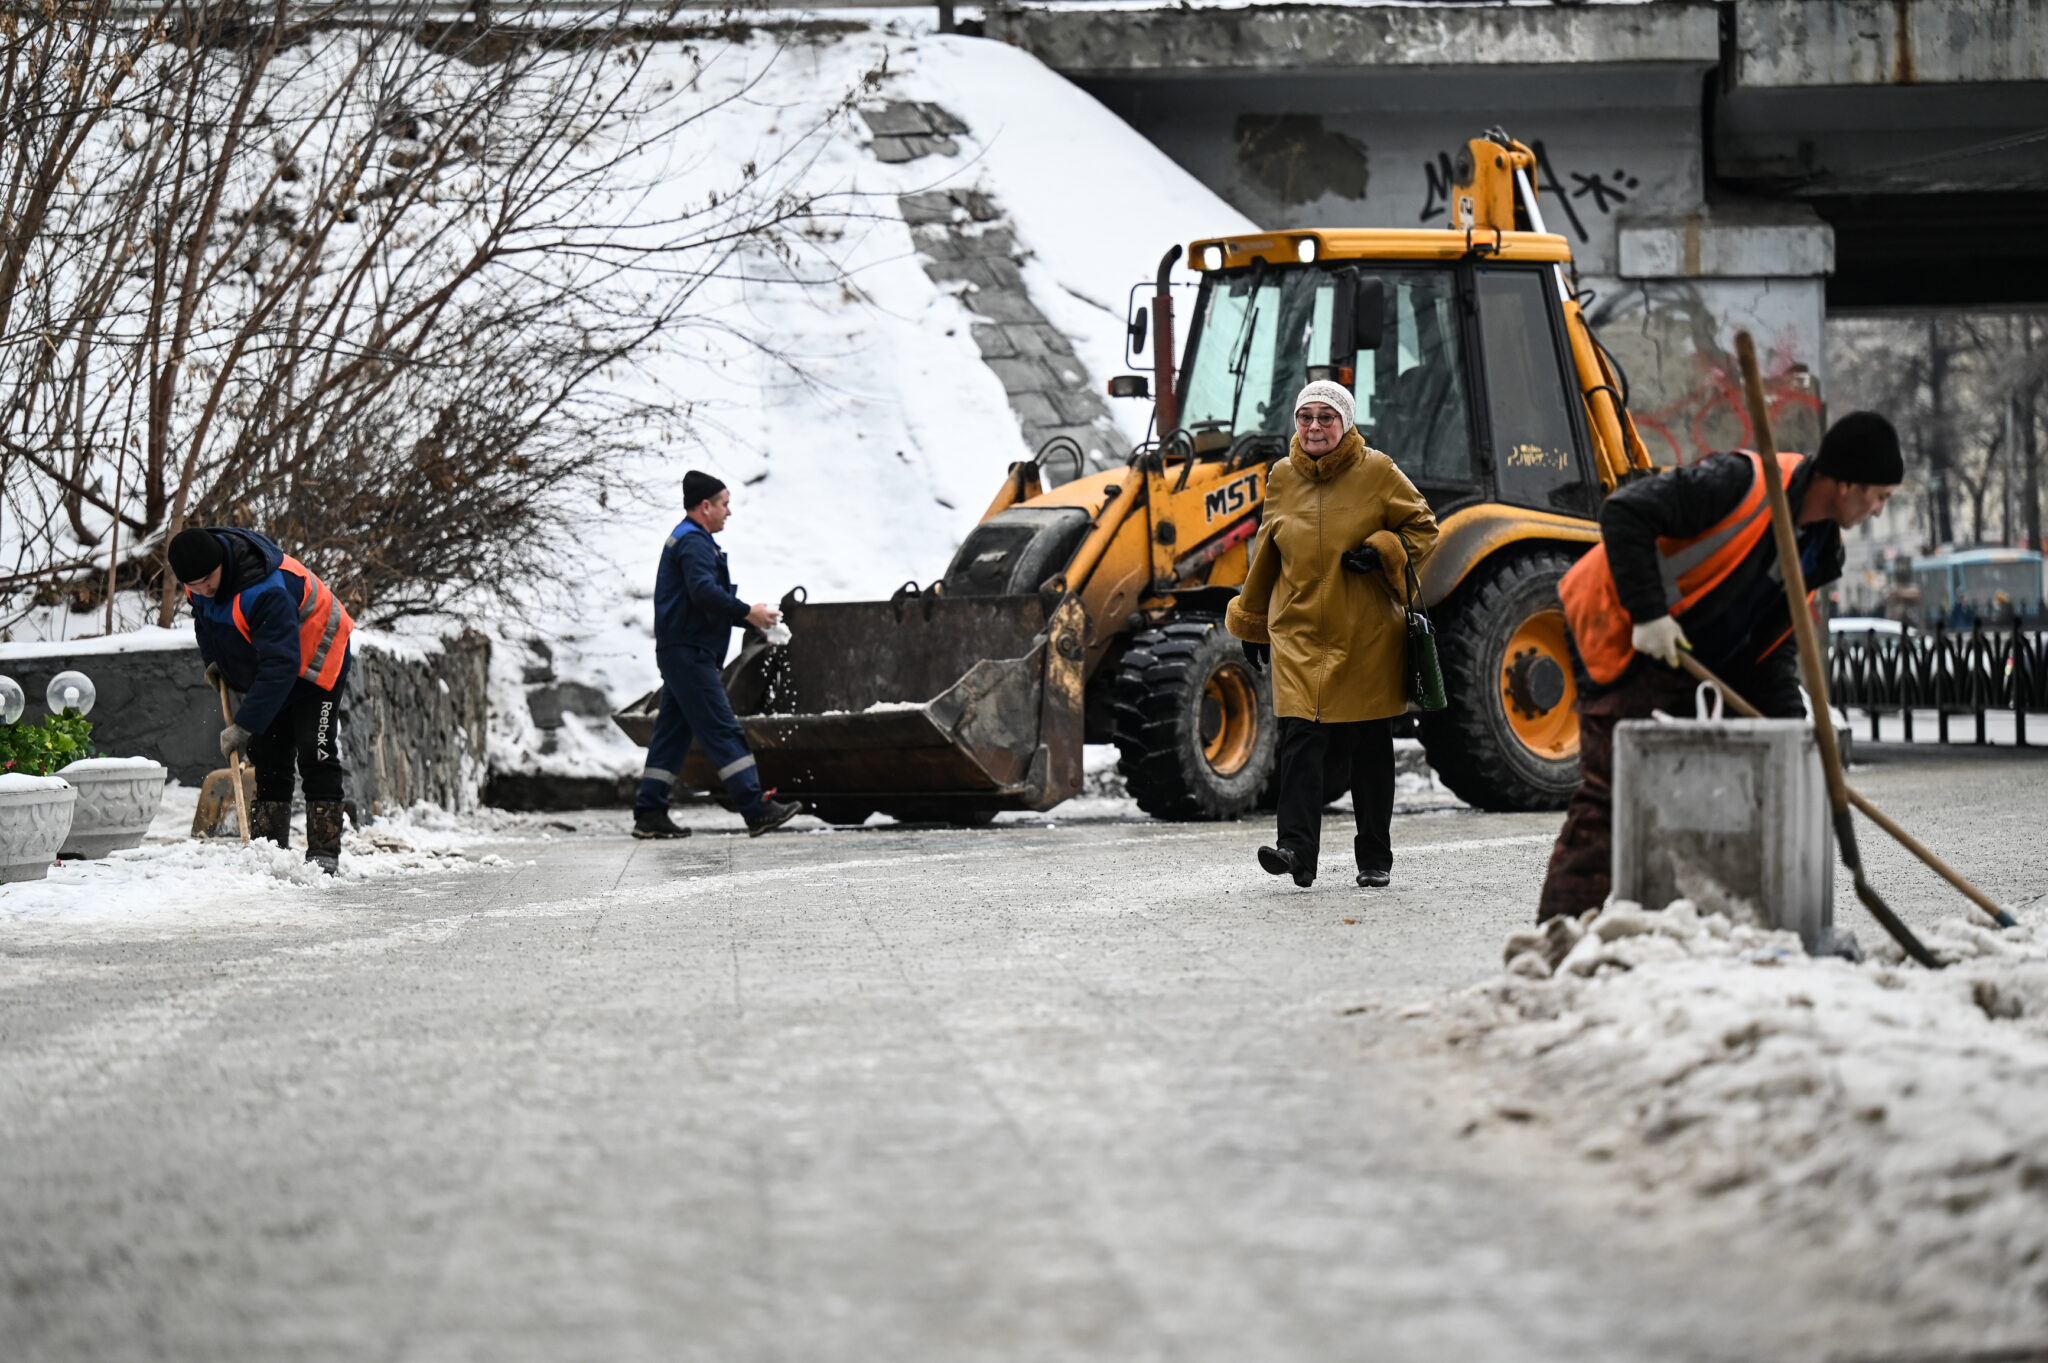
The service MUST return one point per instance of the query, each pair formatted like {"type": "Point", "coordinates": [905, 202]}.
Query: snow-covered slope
{"type": "Point", "coordinates": [852, 414]}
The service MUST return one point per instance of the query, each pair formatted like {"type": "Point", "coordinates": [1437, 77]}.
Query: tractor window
{"type": "Point", "coordinates": [1411, 392]}
{"type": "Point", "coordinates": [1254, 342]}
{"type": "Point", "coordinates": [1260, 330]}
{"type": "Point", "coordinates": [1535, 449]}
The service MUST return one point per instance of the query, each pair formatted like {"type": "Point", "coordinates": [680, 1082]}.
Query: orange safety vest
{"type": "Point", "coordinates": [324, 628]}
{"type": "Point", "coordinates": [1691, 568]}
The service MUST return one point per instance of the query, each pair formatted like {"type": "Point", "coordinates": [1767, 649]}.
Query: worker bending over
{"type": "Point", "coordinates": [1687, 560]}
{"type": "Point", "coordinates": [695, 613]}
{"type": "Point", "coordinates": [273, 632]}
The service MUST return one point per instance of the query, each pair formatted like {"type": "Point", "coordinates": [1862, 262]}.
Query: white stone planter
{"type": "Point", "coordinates": [118, 797]}
{"type": "Point", "coordinates": [35, 816]}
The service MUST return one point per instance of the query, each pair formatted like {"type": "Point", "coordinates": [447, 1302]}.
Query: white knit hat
{"type": "Point", "coordinates": [1336, 394]}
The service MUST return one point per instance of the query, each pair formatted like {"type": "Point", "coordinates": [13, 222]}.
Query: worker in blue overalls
{"type": "Point", "coordinates": [695, 613]}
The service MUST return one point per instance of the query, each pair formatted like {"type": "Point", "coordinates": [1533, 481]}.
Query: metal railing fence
{"type": "Point", "coordinates": [1953, 672]}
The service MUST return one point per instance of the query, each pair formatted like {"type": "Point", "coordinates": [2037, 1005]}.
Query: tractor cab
{"type": "Point", "coordinates": [1461, 366]}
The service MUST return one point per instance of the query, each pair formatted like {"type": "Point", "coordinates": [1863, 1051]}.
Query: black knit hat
{"type": "Point", "coordinates": [194, 553]}
{"type": "Point", "coordinates": [1861, 448]}
{"type": "Point", "coordinates": [699, 488]}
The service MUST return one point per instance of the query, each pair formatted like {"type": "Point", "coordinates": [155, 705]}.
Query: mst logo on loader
{"type": "Point", "coordinates": [1232, 497]}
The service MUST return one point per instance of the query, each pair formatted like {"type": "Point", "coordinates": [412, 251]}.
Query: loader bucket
{"type": "Point", "coordinates": [921, 706]}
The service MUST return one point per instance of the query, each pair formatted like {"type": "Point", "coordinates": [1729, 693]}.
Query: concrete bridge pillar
{"type": "Point", "coordinates": [1684, 285]}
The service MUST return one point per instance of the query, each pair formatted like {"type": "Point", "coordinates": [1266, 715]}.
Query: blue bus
{"type": "Point", "coordinates": [1964, 586]}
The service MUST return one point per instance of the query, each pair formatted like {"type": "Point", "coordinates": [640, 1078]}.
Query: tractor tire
{"type": "Point", "coordinates": [1509, 737]}
{"type": "Point", "coordinates": [1194, 725]}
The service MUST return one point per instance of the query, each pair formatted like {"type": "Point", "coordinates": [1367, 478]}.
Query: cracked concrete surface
{"type": "Point", "coordinates": [1076, 1092]}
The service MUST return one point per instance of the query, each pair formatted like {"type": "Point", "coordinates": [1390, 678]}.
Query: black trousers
{"type": "Point", "coordinates": [1308, 751]}
{"type": "Point", "coordinates": [307, 735]}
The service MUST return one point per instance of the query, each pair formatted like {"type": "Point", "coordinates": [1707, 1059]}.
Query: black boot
{"type": "Point", "coordinates": [323, 834]}
{"type": "Point", "coordinates": [773, 814]}
{"type": "Point", "coordinates": [1278, 861]}
{"type": "Point", "coordinates": [271, 821]}
{"type": "Point", "coordinates": [655, 823]}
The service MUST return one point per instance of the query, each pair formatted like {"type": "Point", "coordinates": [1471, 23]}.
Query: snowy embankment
{"type": "Point", "coordinates": [825, 375]}
{"type": "Point", "coordinates": [1889, 1119]}
{"type": "Point", "coordinates": [844, 398]}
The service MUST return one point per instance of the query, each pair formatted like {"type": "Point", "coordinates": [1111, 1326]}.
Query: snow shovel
{"type": "Point", "coordinates": [234, 765]}
{"type": "Point", "coordinates": [1810, 664]}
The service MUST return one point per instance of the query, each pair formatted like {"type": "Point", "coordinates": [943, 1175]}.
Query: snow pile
{"type": "Point", "coordinates": [18, 782]}
{"type": "Point", "coordinates": [55, 622]}
{"type": "Point", "coordinates": [173, 881]}
{"type": "Point", "coordinates": [1894, 1118]}
{"type": "Point", "coordinates": [138, 765]}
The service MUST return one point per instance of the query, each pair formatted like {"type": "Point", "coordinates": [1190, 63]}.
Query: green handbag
{"type": "Point", "coordinates": [1425, 675]}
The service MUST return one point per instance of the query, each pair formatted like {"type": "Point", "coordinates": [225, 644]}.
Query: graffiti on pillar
{"type": "Point", "coordinates": [1605, 192]}
{"type": "Point", "coordinates": [1436, 198]}
{"type": "Point", "coordinates": [1713, 414]}
{"type": "Point", "coordinates": [1685, 389]}
{"type": "Point", "coordinates": [1598, 192]}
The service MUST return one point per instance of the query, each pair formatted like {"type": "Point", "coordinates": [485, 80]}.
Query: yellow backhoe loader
{"type": "Point", "coordinates": [1088, 606]}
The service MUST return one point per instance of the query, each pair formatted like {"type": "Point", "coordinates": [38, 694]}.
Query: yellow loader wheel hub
{"type": "Point", "coordinates": [1509, 737]}
{"type": "Point", "coordinates": [1194, 726]}
{"type": "Point", "coordinates": [1230, 719]}
{"type": "Point", "coordinates": [1537, 688]}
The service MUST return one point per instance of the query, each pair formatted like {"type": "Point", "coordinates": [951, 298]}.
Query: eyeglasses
{"type": "Point", "coordinates": [1311, 419]}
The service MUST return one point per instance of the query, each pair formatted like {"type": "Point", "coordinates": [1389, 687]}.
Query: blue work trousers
{"type": "Point", "coordinates": [694, 706]}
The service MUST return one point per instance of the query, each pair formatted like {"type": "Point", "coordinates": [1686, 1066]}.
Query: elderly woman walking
{"type": "Point", "coordinates": [1325, 606]}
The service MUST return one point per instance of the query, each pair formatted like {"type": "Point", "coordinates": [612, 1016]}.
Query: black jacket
{"type": "Point", "coordinates": [1732, 626]}
{"type": "Point", "coordinates": [265, 666]}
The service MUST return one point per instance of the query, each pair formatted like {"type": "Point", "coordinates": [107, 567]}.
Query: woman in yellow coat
{"type": "Point", "coordinates": [1325, 606]}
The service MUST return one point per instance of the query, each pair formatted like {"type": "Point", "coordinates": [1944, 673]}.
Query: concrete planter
{"type": "Point", "coordinates": [35, 816]}
{"type": "Point", "coordinates": [117, 799]}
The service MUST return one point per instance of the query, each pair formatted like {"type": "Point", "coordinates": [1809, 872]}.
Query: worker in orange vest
{"type": "Point", "coordinates": [275, 633]}
{"type": "Point", "coordinates": [1686, 560]}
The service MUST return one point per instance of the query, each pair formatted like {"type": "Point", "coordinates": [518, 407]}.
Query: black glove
{"type": "Point", "coordinates": [1256, 654]}
{"type": "Point", "coordinates": [1363, 559]}
{"type": "Point", "coordinates": [214, 675]}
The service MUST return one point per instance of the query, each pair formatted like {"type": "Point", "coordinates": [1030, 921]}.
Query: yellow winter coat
{"type": "Point", "coordinates": [1339, 638]}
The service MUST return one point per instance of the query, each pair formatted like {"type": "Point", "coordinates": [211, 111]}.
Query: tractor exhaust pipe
{"type": "Point", "coordinates": [1166, 404]}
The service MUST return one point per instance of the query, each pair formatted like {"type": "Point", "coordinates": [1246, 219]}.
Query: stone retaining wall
{"type": "Point", "coordinates": [413, 724]}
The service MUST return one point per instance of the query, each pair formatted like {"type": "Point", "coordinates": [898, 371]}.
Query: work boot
{"type": "Point", "coordinates": [1375, 880]}
{"type": "Point", "coordinates": [774, 814]}
{"type": "Point", "coordinates": [323, 834]}
{"type": "Point", "coordinates": [1278, 861]}
{"type": "Point", "coordinates": [271, 821]}
{"type": "Point", "coordinates": [655, 823]}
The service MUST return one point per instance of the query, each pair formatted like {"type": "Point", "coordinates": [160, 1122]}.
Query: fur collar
{"type": "Point", "coordinates": [1348, 452]}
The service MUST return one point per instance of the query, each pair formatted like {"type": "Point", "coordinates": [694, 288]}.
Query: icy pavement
{"type": "Point", "coordinates": [1094, 1091]}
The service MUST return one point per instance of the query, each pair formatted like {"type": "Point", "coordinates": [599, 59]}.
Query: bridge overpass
{"type": "Point", "coordinates": [1751, 163]}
